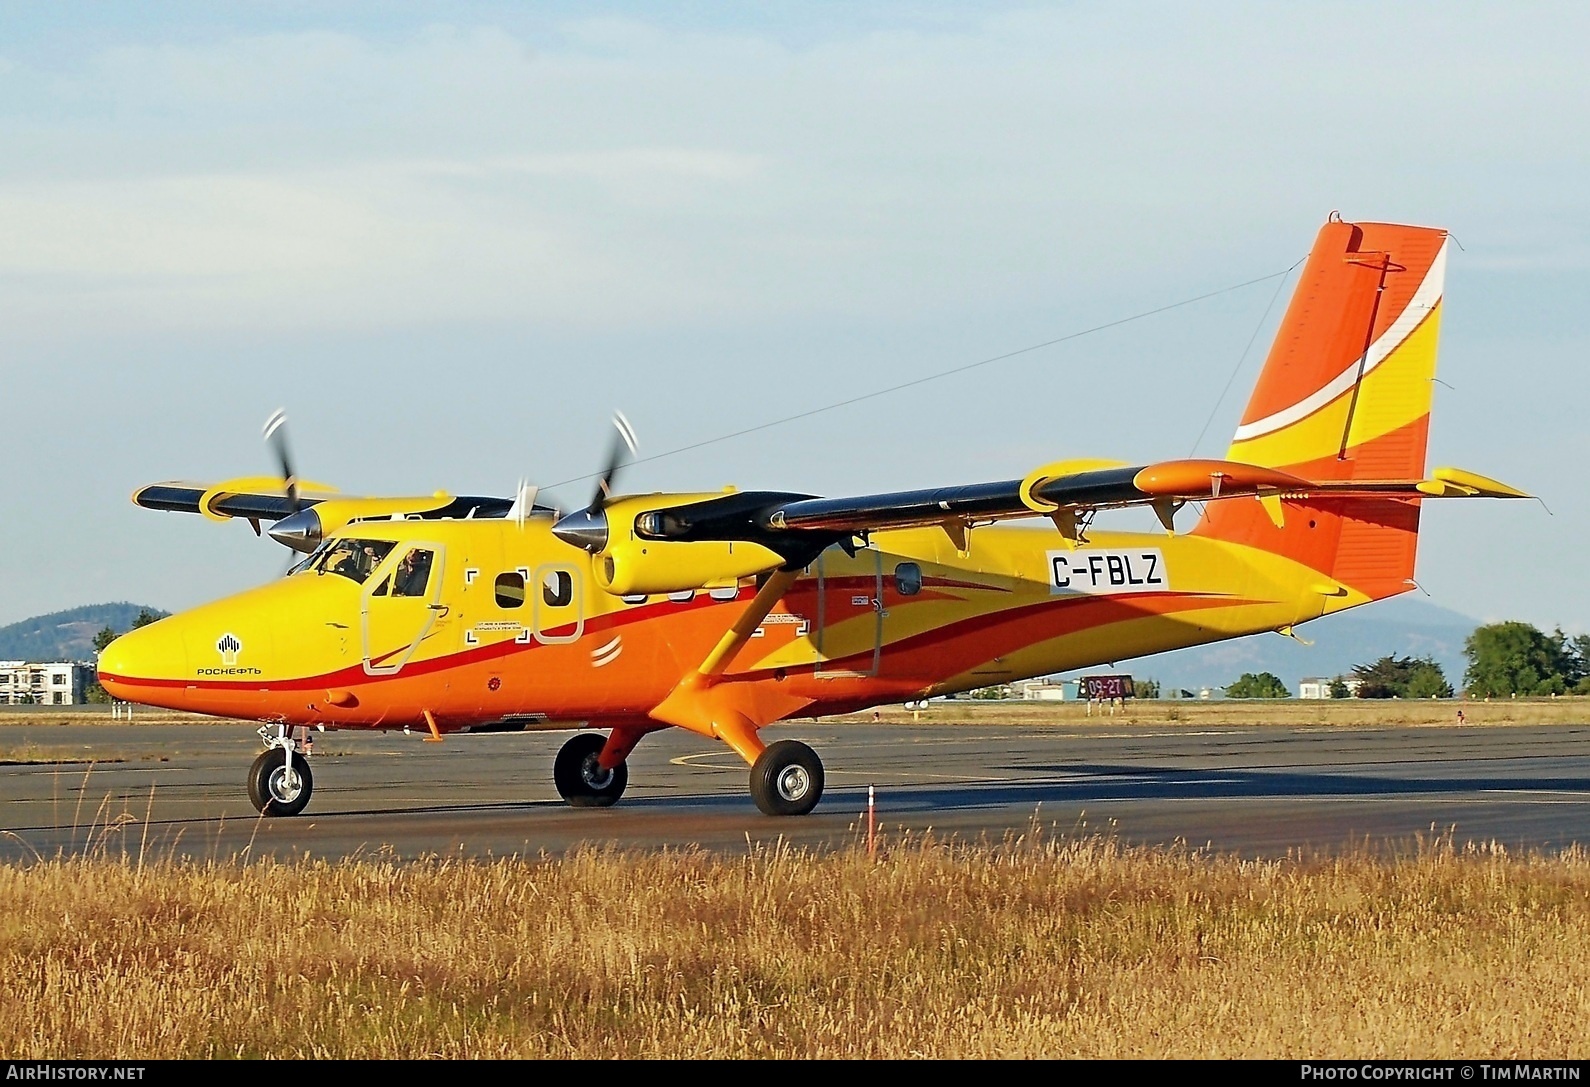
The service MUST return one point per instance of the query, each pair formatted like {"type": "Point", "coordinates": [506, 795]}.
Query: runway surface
{"type": "Point", "coordinates": [1256, 791]}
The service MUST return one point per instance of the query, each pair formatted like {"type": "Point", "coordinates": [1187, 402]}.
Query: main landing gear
{"type": "Point", "coordinates": [279, 782]}
{"type": "Point", "coordinates": [580, 778]}
{"type": "Point", "coordinates": [787, 778]}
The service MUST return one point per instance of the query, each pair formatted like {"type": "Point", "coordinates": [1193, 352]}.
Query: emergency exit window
{"type": "Point", "coordinates": [510, 590]}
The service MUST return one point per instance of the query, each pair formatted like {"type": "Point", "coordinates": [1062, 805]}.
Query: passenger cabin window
{"type": "Point", "coordinates": [908, 579]}
{"type": "Point", "coordinates": [510, 590]}
{"type": "Point", "coordinates": [352, 559]}
{"type": "Point", "coordinates": [557, 588]}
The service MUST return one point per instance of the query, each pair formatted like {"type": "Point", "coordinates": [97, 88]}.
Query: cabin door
{"type": "Point", "coordinates": [401, 606]}
{"type": "Point", "coordinates": [849, 635]}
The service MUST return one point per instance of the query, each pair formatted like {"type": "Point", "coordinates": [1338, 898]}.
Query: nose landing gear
{"type": "Point", "coordinates": [279, 782]}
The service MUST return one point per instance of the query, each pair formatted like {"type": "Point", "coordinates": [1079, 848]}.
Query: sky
{"type": "Point", "coordinates": [450, 239]}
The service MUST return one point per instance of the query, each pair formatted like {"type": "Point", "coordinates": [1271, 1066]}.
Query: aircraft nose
{"type": "Point", "coordinates": [139, 663]}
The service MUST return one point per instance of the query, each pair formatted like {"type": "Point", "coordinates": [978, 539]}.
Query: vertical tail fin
{"type": "Point", "coordinates": [1345, 395]}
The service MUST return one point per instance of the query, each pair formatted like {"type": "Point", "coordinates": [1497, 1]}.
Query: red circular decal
{"type": "Point", "coordinates": [493, 683]}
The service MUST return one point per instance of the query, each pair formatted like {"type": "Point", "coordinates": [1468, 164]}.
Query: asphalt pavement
{"type": "Point", "coordinates": [1262, 791]}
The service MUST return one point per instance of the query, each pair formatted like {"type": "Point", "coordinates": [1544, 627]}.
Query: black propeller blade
{"type": "Point", "coordinates": [587, 528]}
{"type": "Point", "coordinates": [276, 438]}
{"type": "Point", "coordinates": [623, 439]}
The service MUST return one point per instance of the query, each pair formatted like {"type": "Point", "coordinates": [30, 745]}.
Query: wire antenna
{"type": "Point", "coordinates": [1117, 323]}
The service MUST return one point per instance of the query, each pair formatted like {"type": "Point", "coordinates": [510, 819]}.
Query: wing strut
{"type": "Point", "coordinates": [699, 704]}
{"type": "Point", "coordinates": [734, 639]}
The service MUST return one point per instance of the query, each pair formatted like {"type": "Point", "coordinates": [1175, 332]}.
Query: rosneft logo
{"type": "Point", "coordinates": [229, 646]}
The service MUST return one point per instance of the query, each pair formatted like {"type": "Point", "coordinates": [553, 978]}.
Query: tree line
{"type": "Point", "coordinates": [1504, 659]}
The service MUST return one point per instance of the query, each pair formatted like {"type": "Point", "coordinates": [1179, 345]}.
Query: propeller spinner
{"type": "Point", "coordinates": [300, 529]}
{"type": "Point", "coordinates": [587, 528]}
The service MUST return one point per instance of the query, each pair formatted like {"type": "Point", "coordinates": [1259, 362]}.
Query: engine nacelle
{"type": "Point", "coordinates": [635, 566]}
{"type": "Point", "coordinates": [631, 564]}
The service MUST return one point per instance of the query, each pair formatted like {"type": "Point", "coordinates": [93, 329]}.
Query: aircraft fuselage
{"type": "Point", "coordinates": [510, 624]}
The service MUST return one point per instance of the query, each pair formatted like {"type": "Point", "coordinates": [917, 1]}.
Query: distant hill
{"type": "Point", "coordinates": [1403, 626]}
{"type": "Point", "coordinates": [66, 635]}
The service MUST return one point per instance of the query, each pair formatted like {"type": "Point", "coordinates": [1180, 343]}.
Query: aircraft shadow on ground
{"type": "Point", "coordinates": [1094, 782]}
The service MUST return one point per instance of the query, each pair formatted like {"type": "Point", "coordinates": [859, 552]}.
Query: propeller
{"type": "Point", "coordinates": [300, 529]}
{"type": "Point", "coordinates": [623, 439]}
{"type": "Point", "coordinates": [587, 528]}
{"type": "Point", "coordinates": [276, 438]}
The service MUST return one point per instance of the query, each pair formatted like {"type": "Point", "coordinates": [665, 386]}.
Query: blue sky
{"type": "Point", "coordinates": [450, 239]}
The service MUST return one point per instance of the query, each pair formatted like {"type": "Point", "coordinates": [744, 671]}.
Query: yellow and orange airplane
{"type": "Point", "coordinates": [724, 612]}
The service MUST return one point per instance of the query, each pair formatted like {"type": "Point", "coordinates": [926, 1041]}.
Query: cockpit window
{"type": "Point", "coordinates": [412, 573]}
{"type": "Point", "coordinates": [352, 559]}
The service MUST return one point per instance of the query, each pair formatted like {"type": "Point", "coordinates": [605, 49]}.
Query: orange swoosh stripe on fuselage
{"type": "Point", "coordinates": [1087, 613]}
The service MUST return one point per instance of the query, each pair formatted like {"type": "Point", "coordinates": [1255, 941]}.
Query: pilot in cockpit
{"type": "Point", "coordinates": [345, 561]}
{"type": "Point", "coordinates": [368, 561]}
{"type": "Point", "coordinates": [412, 573]}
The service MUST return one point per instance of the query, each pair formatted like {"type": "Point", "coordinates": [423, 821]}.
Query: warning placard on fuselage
{"type": "Point", "coordinates": [1108, 570]}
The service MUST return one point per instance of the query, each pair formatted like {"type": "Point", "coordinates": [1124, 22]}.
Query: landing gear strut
{"type": "Point", "coordinates": [279, 782]}
{"type": "Point", "coordinates": [787, 779]}
{"type": "Point", "coordinates": [580, 778]}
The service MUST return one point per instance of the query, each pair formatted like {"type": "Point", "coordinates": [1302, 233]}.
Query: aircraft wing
{"type": "Point", "coordinates": [319, 510]}
{"type": "Point", "coordinates": [253, 498]}
{"type": "Point", "coordinates": [790, 523]}
{"type": "Point", "coordinates": [184, 497]}
{"type": "Point", "coordinates": [1096, 489]}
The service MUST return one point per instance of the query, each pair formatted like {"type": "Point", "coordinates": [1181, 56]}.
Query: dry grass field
{"type": "Point", "coordinates": [1029, 948]}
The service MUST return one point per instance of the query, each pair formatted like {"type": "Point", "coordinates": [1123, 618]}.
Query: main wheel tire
{"type": "Point", "coordinates": [787, 779]}
{"type": "Point", "coordinates": [272, 791]}
{"type": "Point", "coordinates": [580, 778]}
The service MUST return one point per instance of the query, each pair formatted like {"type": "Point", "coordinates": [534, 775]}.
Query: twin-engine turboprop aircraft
{"type": "Point", "coordinates": [724, 612]}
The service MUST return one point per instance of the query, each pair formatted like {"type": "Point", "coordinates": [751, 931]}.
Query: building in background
{"type": "Point", "coordinates": [1313, 687]}
{"type": "Point", "coordinates": [1045, 689]}
{"type": "Point", "coordinates": [1319, 687]}
{"type": "Point", "coordinates": [59, 683]}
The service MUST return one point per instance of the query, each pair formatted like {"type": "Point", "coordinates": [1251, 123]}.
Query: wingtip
{"type": "Point", "coordinates": [1479, 486]}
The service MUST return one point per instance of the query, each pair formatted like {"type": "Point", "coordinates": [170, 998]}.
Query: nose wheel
{"type": "Point", "coordinates": [580, 778]}
{"type": "Point", "coordinates": [279, 782]}
{"type": "Point", "coordinates": [787, 779]}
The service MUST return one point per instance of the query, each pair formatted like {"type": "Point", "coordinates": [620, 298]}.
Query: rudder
{"type": "Point", "coordinates": [1345, 395]}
